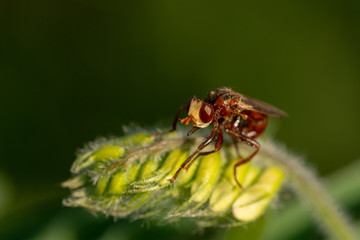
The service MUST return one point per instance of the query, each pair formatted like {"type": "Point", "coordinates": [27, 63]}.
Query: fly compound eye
{"type": "Point", "coordinates": [206, 113]}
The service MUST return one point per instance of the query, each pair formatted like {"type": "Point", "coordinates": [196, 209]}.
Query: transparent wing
{"type": "Point", "coordinates": [261, 107]}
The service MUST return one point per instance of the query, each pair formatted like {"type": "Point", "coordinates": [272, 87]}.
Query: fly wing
{"type": "Point", "coordinates": [255, 105]}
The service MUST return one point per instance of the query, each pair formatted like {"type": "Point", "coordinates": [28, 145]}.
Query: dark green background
{"type": "Point", "coordinates": [71, 71]}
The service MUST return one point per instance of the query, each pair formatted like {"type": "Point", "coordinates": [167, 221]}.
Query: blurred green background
{"type": "Point", "coordinates": [71, 71]}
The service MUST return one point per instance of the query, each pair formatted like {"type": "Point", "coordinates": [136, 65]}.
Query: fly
{"type": "Point", "coordinates": [242, 117]}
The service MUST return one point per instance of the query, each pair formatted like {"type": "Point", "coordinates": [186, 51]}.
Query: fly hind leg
{"type": "Point", "coordinates": [249, 141]}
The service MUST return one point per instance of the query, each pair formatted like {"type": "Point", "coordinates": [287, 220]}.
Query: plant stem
{"type": "Point", "coordinates": [311, 191]}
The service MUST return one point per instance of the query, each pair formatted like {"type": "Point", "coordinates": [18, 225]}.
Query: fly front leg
{"type": "Point", "coordinates": [208, 140]}
{"type": "Point", "coordinates": [218, 144]}
{"type": "Point", "coordinates": [182, 108]}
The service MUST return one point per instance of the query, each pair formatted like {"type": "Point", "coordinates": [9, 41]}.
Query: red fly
{"type": "Point", "coordinates": [243, 118]}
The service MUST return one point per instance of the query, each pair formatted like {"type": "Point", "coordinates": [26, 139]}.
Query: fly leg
{"type": "Point", "coordinates": [182, 108]}
{"type": "Point", "coordinates": [230, 130]}
{"type": "Point", "coordinates": [201, 146]}
{"type": "Point", "coordinates": [218, 144]}
{"type": "Point", "coordinates": [249, 141]}
{"type": "Point", "coordinates": [237, 148]}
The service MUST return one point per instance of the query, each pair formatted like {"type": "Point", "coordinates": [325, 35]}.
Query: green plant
{"type": "Point", "coordinates": [128, 177]}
